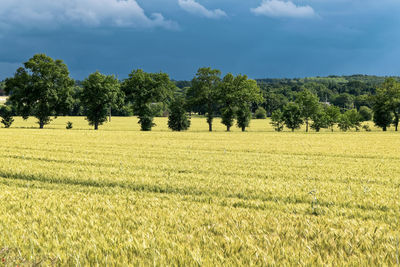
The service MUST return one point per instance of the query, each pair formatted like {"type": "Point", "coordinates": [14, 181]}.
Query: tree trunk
{"type": "Point", "coordinates": [228, 128]}
{"type": "Point", "coordinates": [306, 126]}
{"type": "Point", "coordinates": [384, 128]}
{"type": "Point", "coordinates": [293, 130]}
{"type": "Point", "coordinates": [243, 129]}
{"type": "Point", "coordinates": [209, 117]}
{"type": "Point", "coordinates": [396, 122]}
{"type": "Point", "coordinates": [109, 116]}
{"type": "Point", "coordinates": [41, 125]}
{"type": "Point", "coordinates": [96, 126]}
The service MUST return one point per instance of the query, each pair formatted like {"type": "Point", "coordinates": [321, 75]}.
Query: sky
{"type": "Point", "coordinates": [260, 38]}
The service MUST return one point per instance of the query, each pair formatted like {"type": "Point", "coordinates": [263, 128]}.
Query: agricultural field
{"type": "Point", "coordinates": [119, 196]}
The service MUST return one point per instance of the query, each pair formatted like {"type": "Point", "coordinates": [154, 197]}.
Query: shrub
{"type": "Point", "coordinates": [366, 113]}
{"type": "Point", "coordinates": [366, 127]}
{"type": "Point", "coordinates": [6, 115]}
{"type": "Point", "coordinates": [260, 113]}
{"type": "Point", "coordinates": [69, 125]}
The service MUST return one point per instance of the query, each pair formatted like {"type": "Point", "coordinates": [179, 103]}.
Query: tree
{"type": "Point", "coordinates": [100, 93]}
{"type": "Point", "coordinates": [319, 120]}
{"type": "Point", "coordinates": [292, 116]}
{"type": "Point", "coordinates": [204, 91]}
{"type": "Point", "coordinates": [247, 92]}
{"type": "Point", "coordinates": [366, 113]}
{"type": "Point", "coordinates": [383, 105]}
{"type": "Point", "coordinates": [6, 114]}
{"type": "Point", "coordinates": [382, 117]}
{"type": "Point", "coordinates": [274, 101]}
{"type": "Point", "coordinates": [391, 89]}
{"type": "Point", "coordinates": [277, 120]}
{"type": "Point", "coordinates": [344, 101]}
{"type": "Point", "coordinates": [362, 100]}
{"type": "Point", "coordinates": [142, 90]}
{"type": "Point", "coordinates": [243, 115]}
{"type": "Point", "coordinates": [350, 119]}
{"type": "Point", "coordinates": [177, 120]}
{"type": "Point", "coordinates": [261, 113]}
{"type": "Point", "coordinates": [308, 103]}
{"type": "Point", "coordinates": [355, 118]}
{"type": "Point", "coordinates": [332, 116]}
{"type": "Point", "coordinates": [227, 98]}
{"type": "Point", "coordinates": [41, 88]}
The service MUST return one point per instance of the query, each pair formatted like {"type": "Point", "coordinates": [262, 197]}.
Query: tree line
{"type": "Point", "coordinates": [43, 88]}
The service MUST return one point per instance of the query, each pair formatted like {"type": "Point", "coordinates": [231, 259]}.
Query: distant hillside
{"type": "Point", "coordinates": [370, 80]}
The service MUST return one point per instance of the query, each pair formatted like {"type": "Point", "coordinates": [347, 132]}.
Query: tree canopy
{"type": "Point", "coordinates": [204, 92]}
{"type": "Point", "coordinates": [100, 93]}
{"type": "Point", "coordinates": [42, 88]}
{"type": "Point", "coordinates": [143, 90]}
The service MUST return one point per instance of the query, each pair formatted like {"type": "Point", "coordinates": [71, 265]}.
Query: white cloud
{"type": "Point", "coordinates": [278, 8]}
{"type": "Point", "coordinates": [41, 13]}
{"type": "Point", "coordinates": [193, 7]}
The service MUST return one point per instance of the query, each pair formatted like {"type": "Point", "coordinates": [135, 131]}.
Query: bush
{"type": "Point", "coordinates": [350, 119]}
{"type": "Point", "coordinates": [69, 125]}
{"type": "Point", "coordinates": [366, 113]}
{"type": "Point", "coordinates": [366, 127]}
{"type": "Point", "coordinates": [260, 113]}
{"type": "Point", "coordinates": [6, 115]}
{"type": "Point", "coordinates": [177, 119]}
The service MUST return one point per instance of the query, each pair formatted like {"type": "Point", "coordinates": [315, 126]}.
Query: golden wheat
{"type": "Point", "coordinates": [119, 196]}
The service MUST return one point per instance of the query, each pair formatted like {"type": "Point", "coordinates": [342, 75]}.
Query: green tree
{"type": "Point", "coordinates": [292, 116]}
{"type": "Point", "coordinates": [227, 96]}
{"type": "Point", "coordinates": [382, 117]}
{"type": "Point", "coordinates": [350, 119]}
{"type": "Point", "coordinates": [274, 101]}
{"type": "Point", "coordinates": [344, 101]}
{"type": "Point", "coordinates": [391, 89]}
{"type": "Point", "coordinates": [384, 104]}
{"type": "Point", "coordinates": [355, 118]}
{"type": "Point", "coordinates": [243, 115]}
{"type": "Point", "coordinates": [142, 90]}
{"type": "Point", "coordinates": [332, 116]}
{"type": "Point", "coordinates": [260, 113]}
{"type": "Point", "coordinates": [308, 103]}
{"type": "Point", "coordinates": [344, 123]}
{"type": "Point", "coordinates": [41, 88]}
{"type": "Point", "coordinates": [6, 115]}
{"type": "Point", "coordinates": [247, 93]}
{"type": "Point", "coordinates": [100, 93]}
{"type": "Point", "coordinates": [178, 120]}
{"type": "Point", "coordinates": [366, 113]}
{"type": "Point", "coordinates": [204, 91]}
{"type": "Point", "coordinates": [277, 120]}
{"type": "Point", "coordinates": [319, 120]}
{"type": "Point", "coordinates": [362, 100]}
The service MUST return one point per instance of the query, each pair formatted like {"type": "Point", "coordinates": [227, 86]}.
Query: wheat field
{"type": "Point", "coordinates": [122, 197]}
